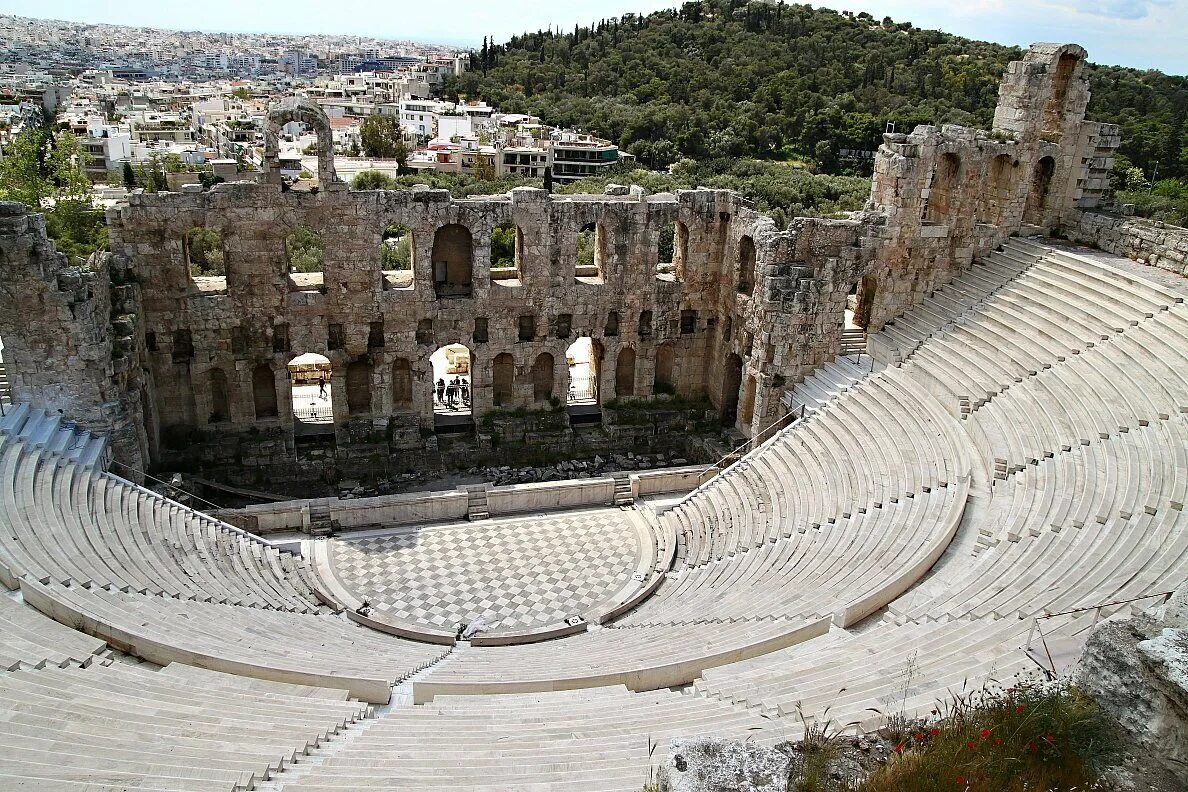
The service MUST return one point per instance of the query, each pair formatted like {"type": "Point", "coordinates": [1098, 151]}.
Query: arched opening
{"type": "Point", "coordinates": [1036, 208]}
{"type": "Point", "coordinates": [220, 399]}
{"type": "Point", "coordinates": [731, 386]}
{"type": "Point", "coordinates": [313, 405]}
{"type": "Point", "coordinates": [204, 253]}
{"type": "Point", "coordinates": [1066, 66]}
{"type": "Point", "coordinates": [452, 396]}
{"type": "Point", "coordinates": [542, 377]}
{"type": "Point", "coordinates": [746, 409]}
{"type": "Point", "coordinates": [358, 388]}
{"type": "Point", "coordinates": [942, 194]}
{"type": "Point", "coordinates": [453, 261]}
{"type": "Point", "coordinates": [402, 387]}
{"type": "Point", "coordinates": [858, 316]}
{"type": "Point", "coordinates": [305, 258]}
{"type": "Point", "coordinates": [507, 251]}
{"type": "Point", "coordinates": [591, 253]}
{"type": "Point", "coordinates": [503, 379]}
{"type": "Point", "coordinates": [264, 391]}
{"type": "Point", "coordinates": [582, 358]}
{"type": "Point", "coordinates": [396, 256]}
{"type": "Point", "coordinates": [663, 381]}
{"type": "Point", "coordinates": [625, 373]}
{"type": "Point", "coordinates": [997, 193]}
{"type": "Point", "coordinates": [746, 265]}
{"type": "Point", "coordinates": [666, 253]}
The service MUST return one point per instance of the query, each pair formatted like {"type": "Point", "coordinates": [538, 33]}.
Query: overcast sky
{"type": "Point", "coordinates": [1140, 33]}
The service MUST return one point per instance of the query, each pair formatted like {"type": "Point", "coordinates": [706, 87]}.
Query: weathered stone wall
{"type": "Point", "coordinates": [1158, 244]}
{"type": "Point", "coordinates": [60, 343]}
{"type": "Point", "coordinates": [743, 310]}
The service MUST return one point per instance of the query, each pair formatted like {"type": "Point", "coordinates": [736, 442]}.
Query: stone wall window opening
{"type": "Point", "coordinates": [625, 373]}
{"type": "Point", "coordinates": [503, 380]}
{"type": "Point", "coordinates": [582, 358]}
{"type": "Point", "coordinates": [611, 328]}
{"type": "Point", "coordinates": [481, 333]}
{"type": "Point", "coordinates": [591, 254]}
{"type": "Point", "coordinates": [452, 385]}
{"type": "Point", "coordinates": [424, 332]}
{"type": "Point", "coordinates": [310, 376]}
{"type": "Point", "coordinates": [220, 399]}
{"type": "Point", "coordinates": [375, 335]}
{"type": "Point", "coordinates": [996, 193]}
{"type": "Point", "coordinates": [358, 388]}
{"type": "Point", "coordinates": [942, 194]}
{"type": "Point", "coordinates": [670, 255]}
{"type": "Point", "coordinates": [453, 261]}
{"type": "Point", "coordinates": [664, 380]}
{"type": "Point", "coordinates": [183, 346]}
{"type": "Point", "coordinates": [1066, 66]}
{"type": "Point", "coordinates": [264, 392]}
{"type": "Point", "coordinates": [542, 378]}
{"type": "Point", "coordinates": [688, 322]}
{"type": "Point", "coordinates": [526, 327]}
{"type": "Point", "coordinates": [1038, 192]}
{"type": "Point", "coordinates": [861, 305]}
{"type": "Point", "coordinates": [396, 256]}
{"type": "Point", "coordinates": [732, 376]}
{"type": "Point", "coordinates": [645, 324]}
{"type": "Point", "coordinates": [305, 258]}
{"type": "Point", "coordinates": [280, 338]}
{"type": "Point", "coordinates": [402, 384]}
{"type": "Point", "coordinates": [507, 254]}
{"type": "Point", "coordinates": [746, 265]}
{"type": "Point", "coordinates": [205, 255]}
{"type": "Point", "coordinates": [335, 336]}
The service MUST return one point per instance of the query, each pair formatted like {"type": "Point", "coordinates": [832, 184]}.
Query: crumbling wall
{"type": "Point", "coordinates": [1154, 243]}
{"type": "Point", "coordinates": [59, 345]}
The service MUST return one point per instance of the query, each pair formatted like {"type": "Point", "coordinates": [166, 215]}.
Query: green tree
{"type": "Point", "coordinates": [383, 138]}
{"type": "Point", "coordinates": [373, 180]}
{"type": "Point", "coordinates": [396, 253]}
{"type": "Point", "coordinates": [129, 176]}
{"type": "Point", "coordinates": [304, 248]}
{"type": "Point", "coordinates": [241, 93]}
{"type": "Point", "coordinates": [173, 163]}
{"type": "Point", "coordinates": [503, 246]}
{"type": "Point", "coordinates": [204, 248]}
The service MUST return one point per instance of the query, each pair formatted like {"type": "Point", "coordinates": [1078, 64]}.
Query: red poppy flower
{"type": "Point", "coordinates": [985, 733]}
{"type": "Point", "coordinates": [970, 744]}
{"type": "Point", "coordinates": [934, 732]}
{"type": "Point", "coordinates": [1049, 739]}
{"type": "Point", "coordinates": [1019, 709]}
{"type": "Point", "coordinates": [961, 780]}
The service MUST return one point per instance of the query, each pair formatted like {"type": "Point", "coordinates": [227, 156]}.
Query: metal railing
{"type": "Point", "coordinates": [1035, 621]}
{"type": "Point", "coordinates": [753, 442]}
{"type": "Point", "coordinates": [583, 389]}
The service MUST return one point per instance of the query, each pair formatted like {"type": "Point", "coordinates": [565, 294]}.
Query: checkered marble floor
{"type": "Point", "coordinates": [523, 572]}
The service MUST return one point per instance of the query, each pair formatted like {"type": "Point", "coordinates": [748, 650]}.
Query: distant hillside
{"type": "Point", "coordinates": [728, 78]}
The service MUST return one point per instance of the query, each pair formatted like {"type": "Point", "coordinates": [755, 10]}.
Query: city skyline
{"type": "Point", "coordinates": [1117, 32]}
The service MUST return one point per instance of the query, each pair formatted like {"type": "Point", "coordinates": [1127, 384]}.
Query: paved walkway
{"type": "Point", "coordinates": [523, 572]}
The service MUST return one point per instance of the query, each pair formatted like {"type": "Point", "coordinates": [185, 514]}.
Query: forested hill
{"type": "Point", "coordinates": [729, 78]}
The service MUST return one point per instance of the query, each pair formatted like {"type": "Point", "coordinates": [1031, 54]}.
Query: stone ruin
{"type": "Point", "coordinates": [136, 346]}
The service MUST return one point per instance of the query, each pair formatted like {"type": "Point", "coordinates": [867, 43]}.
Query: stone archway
{"type": "Point", "coordinates": [453, 261]}
{"type": "Point", "coordinates": [542, 377]}
{"type": "Point", "coordinates": [1037, 195]}
{"type": "Point", "coordinates": [625, 373]}
{"type": "Point", "coordinates": [299, 109]}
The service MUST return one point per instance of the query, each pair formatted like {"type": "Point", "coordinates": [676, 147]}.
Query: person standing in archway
{"type": "Point", "coordinates": [321, 386]}
{"type": "Point", "coordinates": [441, 389]}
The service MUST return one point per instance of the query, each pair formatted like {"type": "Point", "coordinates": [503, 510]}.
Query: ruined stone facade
{"type": "Point", "coordinates": [742, 311]}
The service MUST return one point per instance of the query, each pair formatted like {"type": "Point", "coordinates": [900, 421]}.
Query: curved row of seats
{"type": "Point", "coordinates": [1080, 371]}
{"type": "Point", "coordinates": [105, 728]}
{"type": "Point", "coordinates": [602, 739]}
{"type": "Point", "coordinates": [62, 519]}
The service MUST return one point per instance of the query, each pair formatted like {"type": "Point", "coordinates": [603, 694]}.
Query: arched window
{"type": "Point", "coordinates": [663, 380]}
{"type": "Point", "coordinates": [997, 193]}
{"type": "Point", "coordinates": [220, 401]}
{"type": "Point", "coordinates": [507, 250]}
{"type": "Point", "coordinates": [358, 387]}
{"type": "Point", "coordinates": [402, 393]}
{"type": "Point", "coordinates": [204, 253]}
{"type": "Point", "coordinates": [746, 265]}
{"type": "Point", "coordinates": [264, 391]}
{"type": "Point", "coordinates": [1037, 196]}
{"type": "Point", "coordinates": [542, 377]}
{"type": "Point", "coordinates": [625, 372]}
{"type": "Point", "coordinates": [942, 195]}
{"type": "Point", "coordinates": [453, 261]}
{"type": "Point", "coordinates": [503, 375]}
{"type": "Point", "coordinates": [1054, 109]}
{"type": "Point", "coordinates": [666, 253]}
{"type": "Point", "coordinates": [396, 256]}
{"type": "Point", "coordinates": [303, 250]}
{"type": "Point", "coordinates": [591, 253]}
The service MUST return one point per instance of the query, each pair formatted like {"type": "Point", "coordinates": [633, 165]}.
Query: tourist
{"type": "Point", "coordinates": [451, 393]}
{"type": "Point", "coordinates": [321, 386]}
{"type": "Point", "coordinates": [465, 392]}
{"type": "Point", "coordinates": [441, 388]}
